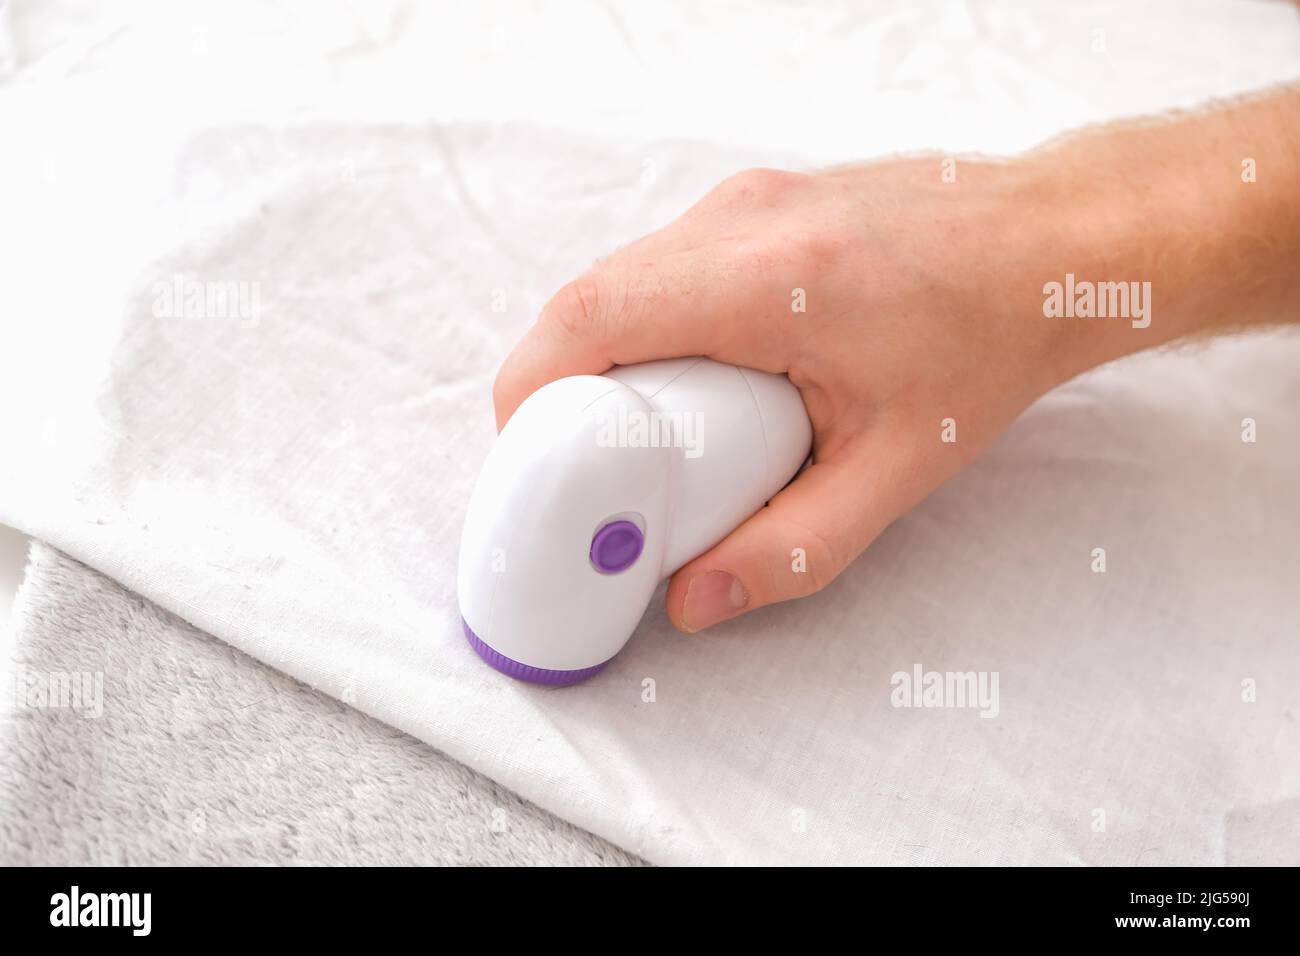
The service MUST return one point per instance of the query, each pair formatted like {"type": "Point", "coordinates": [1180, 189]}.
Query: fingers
{"type": "Point", "coordinates": [795, 546]}
{"type": "Point", "coordinates": [557, 345]}
{"type": "Point", "coordinates": [723, 304]}
{"type": "Point", "coordinates": [712, 283]}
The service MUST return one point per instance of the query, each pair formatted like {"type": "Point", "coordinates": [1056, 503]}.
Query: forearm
{"type": "Point", "coordinates": [1204, 207]}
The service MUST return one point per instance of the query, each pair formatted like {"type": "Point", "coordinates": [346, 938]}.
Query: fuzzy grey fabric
{"type": "Point", "coordinates": [201, 755]}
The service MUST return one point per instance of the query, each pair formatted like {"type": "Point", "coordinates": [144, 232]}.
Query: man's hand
{"type": "Point", "coordinates": [905, 299]}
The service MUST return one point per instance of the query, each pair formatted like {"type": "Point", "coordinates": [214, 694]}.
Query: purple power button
{"type": "Point", "coordinates": [616, 547]}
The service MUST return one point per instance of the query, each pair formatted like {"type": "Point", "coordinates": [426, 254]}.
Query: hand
{"type": "Point", "coordinates": [905, 323]}
{"type": "Point", "coordinates": [907, 309]}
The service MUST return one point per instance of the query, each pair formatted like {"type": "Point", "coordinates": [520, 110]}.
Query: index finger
{"type": "Point", "coordinates": [687, 303]}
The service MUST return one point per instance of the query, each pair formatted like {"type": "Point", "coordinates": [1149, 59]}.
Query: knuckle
{"type": "Point", "coordinates": [766, 180]}
{"type": "Point", "coordinates": [761, 183]}
{"type": "Point", "coordinates": [580, 309]}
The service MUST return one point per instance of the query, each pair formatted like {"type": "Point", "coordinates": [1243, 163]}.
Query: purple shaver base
{"type": "Point", "coordinates": [526, 672]}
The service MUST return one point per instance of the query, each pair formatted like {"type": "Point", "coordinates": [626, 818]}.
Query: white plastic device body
{"type": "Point", "coordinates": [679, 452]}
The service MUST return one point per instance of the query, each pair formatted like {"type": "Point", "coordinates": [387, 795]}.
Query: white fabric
{"type": "Point", "coordinates": [296, 485]}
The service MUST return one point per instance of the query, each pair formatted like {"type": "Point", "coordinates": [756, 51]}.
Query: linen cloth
{"type": "Point", "coordinates": [293, 480]}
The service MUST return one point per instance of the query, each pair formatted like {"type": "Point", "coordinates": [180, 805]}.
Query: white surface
{"type": "Point", "coordinates": [297, 486]}
{"type": "Point", "coordinates": [561, 470]}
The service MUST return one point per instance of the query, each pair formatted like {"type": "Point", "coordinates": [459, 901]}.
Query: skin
{"type": "Point", "coordinates": [925, 302]}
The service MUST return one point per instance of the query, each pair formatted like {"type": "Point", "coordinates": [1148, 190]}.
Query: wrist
{"type": "Point", "coordinates": [1093, 264]}
{"type": "Point", "coordinates": [1080, 291]}
{"type": "Point", "coordinates": [1176, 213]}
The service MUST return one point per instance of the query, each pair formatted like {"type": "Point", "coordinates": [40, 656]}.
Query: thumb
{"type": "Point", "coordinates": [797, 545]}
